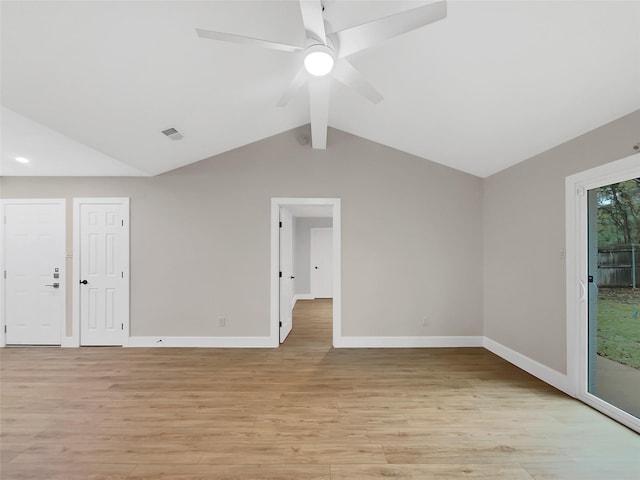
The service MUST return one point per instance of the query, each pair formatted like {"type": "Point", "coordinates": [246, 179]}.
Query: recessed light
{"type": "Point", "coordinates": [22, 160]}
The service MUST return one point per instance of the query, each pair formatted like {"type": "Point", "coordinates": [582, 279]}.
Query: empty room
{"type": "Point", "coordinates": [320, 240]}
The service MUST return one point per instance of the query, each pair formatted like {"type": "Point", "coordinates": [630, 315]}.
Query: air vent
{"type": "Point", "coordinates": [172, 133]}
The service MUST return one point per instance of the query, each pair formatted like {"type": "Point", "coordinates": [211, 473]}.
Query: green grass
{"type": "Point", "coordinates": [619, 331]}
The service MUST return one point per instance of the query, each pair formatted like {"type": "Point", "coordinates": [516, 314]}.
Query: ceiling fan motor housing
{"type": "Point", "coordinates": [319, 59]}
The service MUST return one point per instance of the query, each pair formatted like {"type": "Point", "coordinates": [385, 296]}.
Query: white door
{"type": "Point", "coordinates": [34, 252]}
{"type": "Point", "coordinates": [286, 273]}
{"type": "Point", "coordinates": [104, 271]}
{"type": "Point", "coordinates": [322, 262]}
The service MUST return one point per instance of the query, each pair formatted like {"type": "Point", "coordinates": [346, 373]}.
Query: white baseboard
{"type": "Point", "coordinates": [302, 296]}
{"type": "Point", "coordinates": [407, 342]}
{"type": "Point", "coordinates": [201, 342]}
{"type": "Point", "coordinates": [537, 369]}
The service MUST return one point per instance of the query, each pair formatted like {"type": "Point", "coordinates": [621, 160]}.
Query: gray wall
{"type": "Point", "coordinates": [302, 250]}
{"type": "Point", "coordinates": [200, 237]}
{"type": "Point", "coordinates": [524, 238]}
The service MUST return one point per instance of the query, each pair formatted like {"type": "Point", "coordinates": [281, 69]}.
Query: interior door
{"type": "Point", "coordinates": [34, 252]}
{"type": "Point", "coordinates": [104, 279]}
{"type": "Point", "coordinates": [322, 262]}
{"type": "Point", "coordinates": [286, 273]}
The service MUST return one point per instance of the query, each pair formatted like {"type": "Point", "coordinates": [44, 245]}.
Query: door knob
{"type": "Point", "coordinates": [292, 277]}
{"type": "Point", "coordinates": [55, 285]}
{"type": "Point", "coordinates": [83, 282]}
{"type": "Point", "coordinates": [315, 268]}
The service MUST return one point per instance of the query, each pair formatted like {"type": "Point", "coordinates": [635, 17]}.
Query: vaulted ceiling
{"type": "Point", "coordinates": [87, 86]}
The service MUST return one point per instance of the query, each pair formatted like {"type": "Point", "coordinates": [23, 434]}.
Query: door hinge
{"type": "Point", "coordinates": [5, 329]}
{"type": "Point", "coordinates": [280, 225]}
{"type": "Point", "coordinates": [122, 222]}
{"type": "Point", "coordinates": [121, 274]}
{"type": "Point", "coordinates": [280, 275]}
{"type": "Point", "coordinates": [5, 274]}
{"type": "Point", "coordinates": [122, 326]}
{"type": "Point", "coordinates": [281, 324]}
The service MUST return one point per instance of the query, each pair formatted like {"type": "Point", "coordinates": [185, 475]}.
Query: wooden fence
{"type": "Point", "coordinates": [619, 266]}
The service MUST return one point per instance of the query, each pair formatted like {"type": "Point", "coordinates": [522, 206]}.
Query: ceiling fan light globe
{"type": "Point", "coordinates": [318, 63]}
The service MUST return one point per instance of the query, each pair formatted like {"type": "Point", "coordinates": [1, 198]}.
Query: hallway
{"type": "Point", "coordinates": [312, 324]}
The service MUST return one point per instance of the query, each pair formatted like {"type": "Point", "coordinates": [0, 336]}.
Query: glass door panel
{"type": "Point", "coordinates": [614, 294]}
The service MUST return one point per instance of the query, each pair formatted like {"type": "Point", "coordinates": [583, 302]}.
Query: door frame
{"type": "Point", "coordinates": [285, 324]}
{"type": "Point", "coordinates": [63, 282]}
{"type": "Point", "coordinates": [576, 187]}
{"type": "Point", "coordinates": [74, 340]}
{"type": "Point", "coordinates": [276, 203]}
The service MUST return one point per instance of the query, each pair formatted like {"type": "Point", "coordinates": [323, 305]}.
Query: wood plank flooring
{"type": "Point", "coordinates": [304, 411]}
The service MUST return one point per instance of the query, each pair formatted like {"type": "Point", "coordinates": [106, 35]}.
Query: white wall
{"type": "Point", "coordinates": [302, 252]}
{"type": "Point", "coordinates": [524, 240]}
{"type": "Point", "coordinates": [411, 237]}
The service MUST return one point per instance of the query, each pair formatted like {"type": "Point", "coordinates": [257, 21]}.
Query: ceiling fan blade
{"type": "Point", "coordinates": [312, 19]}
{"type": "Point", "coordinates": [346, 73]}
{"type": "Point", "coordinates": [319, 108]}
{"type": "Point", "coordinates": [239, 39]}
{"type": "Point", "coordinates": [354, 39]}
{"type": "Point", "coordinates": [293, 87]}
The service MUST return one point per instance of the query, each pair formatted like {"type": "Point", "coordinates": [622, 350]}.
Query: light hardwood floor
{"type": "Point", "coordinates": [304, 411]}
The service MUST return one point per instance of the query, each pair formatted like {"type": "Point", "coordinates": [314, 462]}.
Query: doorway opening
{"type": "Point", "coordinates": [313, 321]}
{"type": "Point", "coordinates": [294, 271]}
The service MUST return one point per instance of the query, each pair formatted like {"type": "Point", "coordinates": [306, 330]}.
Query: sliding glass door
{"type": "Point", "coordinates": [613, 295]}
{"type": "Point", "coordinates": [602, 207]}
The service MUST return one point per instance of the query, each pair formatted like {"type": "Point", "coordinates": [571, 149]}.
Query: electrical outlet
{"type": "Point", "coordinates": [222, 322]}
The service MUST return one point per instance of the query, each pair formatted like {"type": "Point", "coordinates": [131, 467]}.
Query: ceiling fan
{"type": "Point", "coordinates": [326, 53]}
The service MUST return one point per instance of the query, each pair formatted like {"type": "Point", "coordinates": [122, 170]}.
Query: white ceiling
{"type": "Point", "coordinates": [88, 86]}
